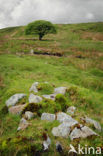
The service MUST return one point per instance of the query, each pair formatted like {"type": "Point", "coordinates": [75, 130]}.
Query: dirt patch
{"type": "Point", "coordinates": [92, 36]}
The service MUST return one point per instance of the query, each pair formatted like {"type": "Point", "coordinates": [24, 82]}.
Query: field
{"type": "Point", "coordinates": [77, 64]}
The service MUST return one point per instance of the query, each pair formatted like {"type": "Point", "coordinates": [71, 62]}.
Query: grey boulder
{"type": "Point", "coordinates": [60, 90]}
{"type": "Point", "coordinates": [63, 117]}
{"type": "Point", "coordinates": [48, 117]}
{"type": "Point", "coordinates": [29, 115]}
{"type": "Point", "coordinates": [13, 100]}
{"type": "Point", "coordinates": [34, 87]}
{"type": "Point", "coordinates": [71, 110]}
{"type": "Point", "coordinates": [63, 130]}
{"type": "Point", "coordinates": [83, 132]}
{"type": "Point", "coordinates": [34, 98]}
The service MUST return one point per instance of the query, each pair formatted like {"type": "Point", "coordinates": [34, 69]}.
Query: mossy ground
{"type": "Point", "coordinates": [80, 69]}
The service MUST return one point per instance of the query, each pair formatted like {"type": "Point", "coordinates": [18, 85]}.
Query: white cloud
{"type": "Point", "coordinates": [21, 12]}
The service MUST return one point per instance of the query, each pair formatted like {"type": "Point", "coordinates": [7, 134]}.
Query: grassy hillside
{"type": "Point", "coordinates": [80, 68]}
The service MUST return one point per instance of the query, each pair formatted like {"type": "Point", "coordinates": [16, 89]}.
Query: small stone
{"type": "Point", "coordinates": [16, 109]}
{"type": "Point", "coordinates": [46, 143]}
{"type": "Point", "coordinates": [34, 87]}
{"type": "Point", "coordinates": [83, 132]}
{"type": "Point", "coordinates": [31, 51]}
{"type": "Point", "coordinates": [13, 100]}
{"type": "Point", "coordinates": [34, 98]}
{"type": "Point", "coordinates": [47, 116]}
{"type": "Point", "coordinates": [23, 124]}
{"type": "Point", "coordinates": [29, 115]}
{"type": "Point", "coordinates": [71, 110]}
{"type": "Point", "coordinates": [60, 90]}
{"type": "Point", "coordinates": [95, 123]}
{"type": "Point", "coordinates": [51, 96]}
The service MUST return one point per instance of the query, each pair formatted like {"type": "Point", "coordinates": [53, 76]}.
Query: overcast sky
{"type": "Point", "coordinates": [21, 12]}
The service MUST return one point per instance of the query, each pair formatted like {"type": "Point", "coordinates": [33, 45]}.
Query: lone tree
{"type": "Point", "coordinates": [40, 28]}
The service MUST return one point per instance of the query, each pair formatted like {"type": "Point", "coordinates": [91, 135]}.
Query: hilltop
{"type": "Point", "coordinates": [72, 58]}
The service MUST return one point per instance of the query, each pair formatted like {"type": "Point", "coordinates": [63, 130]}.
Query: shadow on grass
{"type": "Point", "coordinates": [33, 39]}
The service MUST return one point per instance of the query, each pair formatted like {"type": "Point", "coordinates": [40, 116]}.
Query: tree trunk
{"type": "Point", "coordinates": [40, 37]}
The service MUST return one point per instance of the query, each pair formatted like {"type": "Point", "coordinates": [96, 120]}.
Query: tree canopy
{"type": "Point", "coordinates": [40, 28]}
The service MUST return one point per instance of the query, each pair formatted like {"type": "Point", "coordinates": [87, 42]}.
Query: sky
{"type": "Point", "coordinates": [22, 12]}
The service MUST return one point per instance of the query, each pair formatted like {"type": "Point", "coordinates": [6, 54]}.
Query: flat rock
{"type": "Point", "coordinates": [16, 109]}
{"type": "Point", "coordinates": [63, 117]}
{"type": "Point", "coordinates": [23, 124]}
{"type": "Point", "coordinates": [34, 87]}
{"type": "Point", "coordinates": [13, 100]}
{"type": "Point", "coordinates": [84, 132]}
{"type": "Point", "coordinates": [47, 116]}
{"type": "Point", "coordinates": [29, 115]}
{"type": "Point", "coordinates": [51, 96]}
{"type": "Point", "coordinates": [60, 90]}
{"type": "Point", "coordinates": [63, 130]}
{"type": "Point", "coordinates": [71, 110]}
{"type": "Point", "coordinates": [93, 122]}
{"type": "Point", "coordinates": [34, 98]}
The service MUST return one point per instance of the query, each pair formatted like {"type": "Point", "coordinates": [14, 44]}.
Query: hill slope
{"type": "Point", "coordinates": [80, 68]}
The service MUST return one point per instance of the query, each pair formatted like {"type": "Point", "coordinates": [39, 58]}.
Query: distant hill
{"type": "Point", "coordinates": [70, 38]}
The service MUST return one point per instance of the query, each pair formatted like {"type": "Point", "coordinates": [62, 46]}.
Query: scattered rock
{"type": "Point", "coordinates": [13, 100]}
{"type": "Point", "coordinates": [60, 90]}
{"type": "Point", "coordinates": [47, 116]}
{"type": "Point", "coordinates": [59, 147]}
{"type": "Point", "coordinates": [34, 87]}
{"type": "Point", "coordinates": [29, 115]}
{"type": "Point", "coordinates": [46, 143]}
{"type": "Point", "coordinates": [83, 132]}
{"type": "Point", "coordinates": [95, 123]}
{"type": "Point", "coordinates": [23, 124]}
{"type": "Point", "coordinates": [71, 110]}
{"type": "Point", "coordinates": [34, 98]}
{"type": "Point", "coordinates": [51, 96]}
{"type": "Point", "coordinates": [16, 109]}
{"type": "Point", "coordinates": [63, 117]}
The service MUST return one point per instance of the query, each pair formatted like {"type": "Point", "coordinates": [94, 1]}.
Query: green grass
{"type": "Point", "coordinates": [83, 76]}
